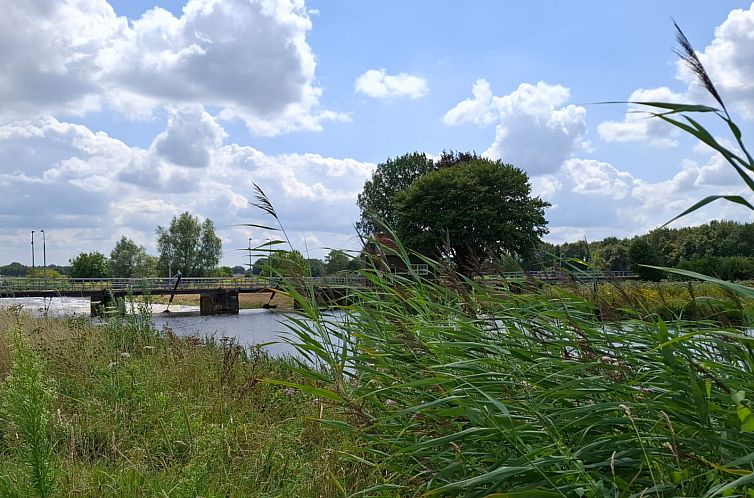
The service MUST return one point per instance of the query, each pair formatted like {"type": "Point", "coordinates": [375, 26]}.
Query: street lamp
{"type": "Point", "coordinates": [44, 254]}
{"type": "Point", "coordinates": [32, 251]}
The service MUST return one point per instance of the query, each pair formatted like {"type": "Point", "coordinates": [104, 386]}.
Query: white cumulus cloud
{"type": "Point", "coordinates": [536, 130]}
{"type": "Point", "coordinates": [638, 125]}
{"type": "Point", "coordinates": [377, 83]}
{"type": "Point", "coordinates": [729, 60]}
{"type": "Point", "coordinates": [249, 59]}
{"type": "Point", "coordinates": [87, 188]}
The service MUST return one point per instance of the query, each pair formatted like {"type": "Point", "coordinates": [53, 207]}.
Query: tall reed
{"type": "Point", "coordinates": [27, 395]}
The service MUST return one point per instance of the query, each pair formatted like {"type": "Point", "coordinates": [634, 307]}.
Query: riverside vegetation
{"type": "Point", "coordinates": [120, 409]}
{"type": "Point", "coordinates": [440, 386]}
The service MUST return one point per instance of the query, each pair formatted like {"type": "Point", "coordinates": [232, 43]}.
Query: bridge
{"type": "Point", "coordinates": [219, 295]}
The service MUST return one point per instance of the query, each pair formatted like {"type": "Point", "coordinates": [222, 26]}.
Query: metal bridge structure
{"type": "Point", "coordinates": [219, 295]}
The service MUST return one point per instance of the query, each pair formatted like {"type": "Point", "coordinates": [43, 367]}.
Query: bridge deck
{"type": "Point", "coordinates": [89, 287]}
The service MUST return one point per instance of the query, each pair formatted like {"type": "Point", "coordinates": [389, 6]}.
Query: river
{"type": "Point", "coordinates": [249, 327]}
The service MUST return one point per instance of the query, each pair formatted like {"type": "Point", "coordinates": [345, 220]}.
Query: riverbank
{"type": "Point", "coordinates": [422, 388]}
{"type": "Point", "coordinates": [130, 412]}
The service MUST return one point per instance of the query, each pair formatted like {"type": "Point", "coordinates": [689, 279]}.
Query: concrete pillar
{"type": "Point", "coordinates": [219, 302]}
{"type": "Point", "coordinates": [99, 303]}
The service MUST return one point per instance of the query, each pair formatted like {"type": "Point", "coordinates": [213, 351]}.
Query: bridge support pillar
{"type": "Point", "coordinates": [100, 303]}
{"type": "Point", "coordinates": [218, 302]}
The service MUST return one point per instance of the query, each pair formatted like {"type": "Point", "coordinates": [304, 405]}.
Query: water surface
{"type": "Point", "coordinates": [249, 327]}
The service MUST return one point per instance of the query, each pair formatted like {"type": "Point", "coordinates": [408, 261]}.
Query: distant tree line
{"type": "Point", "coordinates": [724, 249]}
{"type": "Point", "coordinates": [336, 262]}
{"type": "Point", "coordinates": [187, 245]}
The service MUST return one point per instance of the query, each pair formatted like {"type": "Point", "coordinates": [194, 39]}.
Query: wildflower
{"type": "Point", "coordinates": [289, 391]}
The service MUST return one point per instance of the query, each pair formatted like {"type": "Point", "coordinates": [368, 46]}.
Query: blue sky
{"type": "Point", "coordinates": [117, 116]}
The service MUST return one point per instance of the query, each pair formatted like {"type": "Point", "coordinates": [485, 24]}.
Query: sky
{"type": "Point", "coordinates": [117, 116]}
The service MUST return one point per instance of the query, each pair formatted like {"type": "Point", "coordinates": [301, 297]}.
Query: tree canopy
{"type": "Point", "coordinates": [377, 199]}
{"type": "Point", "coordinates": [128, 260]}
{"type": "Point", "coordinates": [193, 246]}
{"type": "Point", "coordinates": [474, 209]}
{"type": "Point", "coordinates": [90, 265]}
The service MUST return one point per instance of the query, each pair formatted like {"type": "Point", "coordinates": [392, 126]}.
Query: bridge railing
{"type": "Point", "coordinates": [9, 285]}
{"type": "Point", "coordinates": [561, 275]}
{"type": "Point", "coordinates": [71, 285]}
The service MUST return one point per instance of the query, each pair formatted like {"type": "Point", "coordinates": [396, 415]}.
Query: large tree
{"type": "Point", "coordinates": [192, 247]}
{"type": "Point", "coordinates": [377, 200]}
{"type": "Point", "coordinates": [129, 260]}
{"type": "Point", "coordinates": [471, 211]}
{"type": "Point", "coordinates": [89, 265]}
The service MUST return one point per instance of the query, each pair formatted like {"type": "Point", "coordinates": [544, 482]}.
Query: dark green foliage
{"type": "Point", "coordinates": [282, 263]}
{"type": "Point", "coordinates": [90, 265]}
{"type": "Point", "coordinates": [471, 211]}
{"type": "Point", "coordinates": [14, 269]}
{"type": "Point", "coordinates": [222, 271]}
{"type": "Point", "coordinates": [377, 199]}
{"type": "Point", "coordinates": [316, 267]}
{"type": "Point", "coordinates": [725, 248]}
{"type": "Point", "coordinates": [336, 262]}
{"type": "Point", "coordinates": [128, 260]}
{"type": "Point", "coordinates": [192, 245]}
{"type": "Point", "coordinates": [641, 253]}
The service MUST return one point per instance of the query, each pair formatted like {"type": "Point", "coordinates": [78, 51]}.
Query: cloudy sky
{"type": "Point", "coordinates": [115, 117]}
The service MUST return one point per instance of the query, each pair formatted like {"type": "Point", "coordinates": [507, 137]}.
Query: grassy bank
{"type": "Point", "coordinates": [423, 388]}
{"type": "Point", "coordinates": [668, 300]}
{"type": "Point", "coordinates": [117, 410]}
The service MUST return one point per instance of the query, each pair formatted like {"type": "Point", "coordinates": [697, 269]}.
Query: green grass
{"type": "Point", "coordinates": [422, 387]}
{"type": "Point", "coordinates": [130, 412]}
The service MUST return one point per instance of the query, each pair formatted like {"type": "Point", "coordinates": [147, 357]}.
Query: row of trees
{"type": "Point", "coordinates": [473, 210]}
{"type": "Point", "coordinates": [720, 248]}
{"type": "Point", "coordinates": [190, 246]}
{"type": "Point", "coordinates": [337, 262]}
{"type": "Point", "coordinates": [187, 245]}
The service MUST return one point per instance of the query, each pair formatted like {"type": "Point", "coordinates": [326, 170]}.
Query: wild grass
{"type": "Point", "coordinates": [121, 410]}
{"type": "Point", "coordinates": [668, 300]}
{"type": "Point", "coordinates": [451, 388]}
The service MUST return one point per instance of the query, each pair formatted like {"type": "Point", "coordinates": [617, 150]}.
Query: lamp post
{"type": "Point", "coordinates": [44, 254]}
{"type": "Point", "coordinates": [32, 251]}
